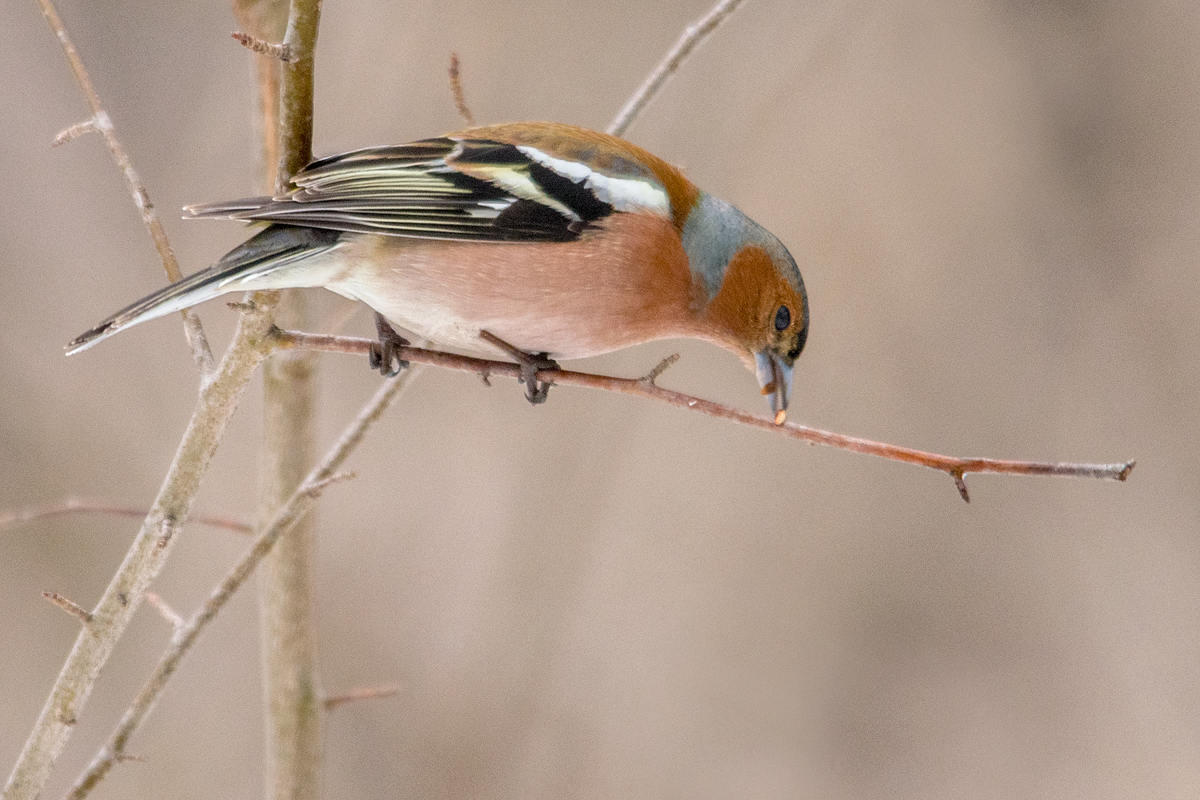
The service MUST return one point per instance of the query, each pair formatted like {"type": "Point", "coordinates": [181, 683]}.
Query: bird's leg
{"type": "Point", "coordinates": [387, 350]}
{"type": "Point", "coordinates": [531, 364]}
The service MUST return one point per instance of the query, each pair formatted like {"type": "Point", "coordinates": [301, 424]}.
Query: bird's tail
{"type": "Point", "coordinates": [267, 261]}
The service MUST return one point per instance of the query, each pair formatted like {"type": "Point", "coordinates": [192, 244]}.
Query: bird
{"type": "Point", "coordinates": [550, 240]}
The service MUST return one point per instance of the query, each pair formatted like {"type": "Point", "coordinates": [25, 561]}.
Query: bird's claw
{"type": "Point", "coordinates": [386, 352]}
{"type": "Point", "coordinates": [531, 364]}
{"type": "Point", "coordinates": [536, 391]}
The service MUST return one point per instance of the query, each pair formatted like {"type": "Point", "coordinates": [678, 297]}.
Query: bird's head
{"type": "Point", "coordinates": [753, 298]}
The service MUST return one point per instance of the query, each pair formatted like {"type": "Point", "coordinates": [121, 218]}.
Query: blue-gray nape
{"type": "Point", "coordinates": [715, 231]}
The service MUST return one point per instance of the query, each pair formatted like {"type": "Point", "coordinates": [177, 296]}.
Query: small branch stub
{"type": "Point", "coordinates": [283, 52]}
{"type": "Point", "coordinates": [961, 484]}
{"type": "Point", "coordinates": [365, 693]}
{"type": "Point", "coordinates": [74, 609]}
{"type": "Point", "coordinates": [315, 489]}
{"type": "Point", "coordinates": [167, 613]}
{"type": "Point", "coordinates": [456, 90]}
{"type": "Point", "coordinates": [662, 366]}
{"type": "Point", "coordinates": [75, 131]}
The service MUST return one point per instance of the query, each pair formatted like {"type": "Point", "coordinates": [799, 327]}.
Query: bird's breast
{"type": "Point", "coordinates": [622, 284]}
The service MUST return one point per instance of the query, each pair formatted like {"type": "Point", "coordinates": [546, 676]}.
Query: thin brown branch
{"type": "Point", "coordinates": [456, 90]}
{"type": "Point", "coordinates": [185, 637]}
{"type": "Point", "coordinates": [164, 610]}
{"type": "Point", "coordinates": [282, 51]}
{"type": "Point", "coordinates": [100, 121]}
{"type": "Point", "coordinates": [692, 36]}
{"type": "Point", "coordinates": [951, 465]}
{"type": "Point", "coordinates": [77, 505]}
{"type": "Point", "coordinates": [363, 693]}
{"type": "Point", "coordinates": [74, 609]}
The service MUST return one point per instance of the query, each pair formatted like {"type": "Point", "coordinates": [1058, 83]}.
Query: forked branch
{"type": "Point", "coordinates": [186, 635]}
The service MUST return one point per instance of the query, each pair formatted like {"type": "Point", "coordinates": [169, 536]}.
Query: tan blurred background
{"type": "Point", "coordinates": [994, 206]}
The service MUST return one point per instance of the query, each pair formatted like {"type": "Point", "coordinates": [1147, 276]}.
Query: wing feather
{"type": "Point", "coordinates": [445, 188]}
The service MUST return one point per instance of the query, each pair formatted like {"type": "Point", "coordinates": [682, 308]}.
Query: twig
{"type": "Point", "coordinates": [281, 51]}
{"type": "Point", "coordinates": [951, 465]}
{"type": "Point", "coordinates": [314, 490]}
{"type": "Point", "coordinates": [145, 558]}
{"type": "Point", "coordinates": [76, 505]}
{"type": "Point", "coordinates": [692, 36]}
{"type": "Point", "coordinates": [456, 90]}
{"type": "Point", "coordinates": [164, 610]}
{"type": "Point", "coordinates": [662, 366]}
{"type": "Point", "coordinates": [201, 353]}
{"type": "Point", "coordinates": [74, 609]}
{"type": "Point", "coordinates": [364, 693]}
{"type": "Point", "coordinates": [287, 515]}
{"type": "Point", "coordinates": [74, 132]}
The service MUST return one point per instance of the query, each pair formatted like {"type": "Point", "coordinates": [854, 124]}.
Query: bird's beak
{"type": "Point", "coordinates": [775, 378]}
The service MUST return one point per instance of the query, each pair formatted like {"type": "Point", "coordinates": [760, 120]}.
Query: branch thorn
{"type": "Point", "coordinates": [315, 489]}
{"type": "Point", "coordinates": [165, 610]}
{"type": "Point", "coordinates": [961, 483]}
{"type": "Point", "coordinates": [365, 693]}
{"type": "Point", "coordinates": [456, 90]}
{"type": "Point", "coordinates": [283, 52]}
{"type": "Point", "coordinates": [75, 131]}
{"type": "Point", "coordinates": [74, 609]}
{"type": "Point", "coordinates": [659, 369]}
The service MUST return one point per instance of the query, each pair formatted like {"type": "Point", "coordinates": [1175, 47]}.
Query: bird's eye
{"type": "Point", "coordinates": [783, 318]}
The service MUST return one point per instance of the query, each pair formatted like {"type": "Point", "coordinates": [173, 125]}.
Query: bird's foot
{"type": "Point", "coordinates": [531, 364]}
{"type": "Point", "coordinates": [386, 352]}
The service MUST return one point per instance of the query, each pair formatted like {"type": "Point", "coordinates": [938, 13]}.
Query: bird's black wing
{"type": "Point", "coordinates": [444, 188]}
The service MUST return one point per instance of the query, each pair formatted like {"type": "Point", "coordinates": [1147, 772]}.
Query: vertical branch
{"type": "Point", "coordinates": [291, 694]}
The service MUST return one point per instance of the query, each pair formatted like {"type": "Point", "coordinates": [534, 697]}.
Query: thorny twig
{"type": "Point", "coordinates": [642, 387]}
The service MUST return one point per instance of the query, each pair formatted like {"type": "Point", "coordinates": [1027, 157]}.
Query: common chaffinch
{"type": "Point", "coordinates": [555, 239]}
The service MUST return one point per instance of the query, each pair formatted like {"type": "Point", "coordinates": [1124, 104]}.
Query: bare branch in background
{"type": "Point", "coordinates": [100, 122]}
{"type": "Point", "coordinates": [456, 90]}
{"type": "Point", "coordinates": [692, 36]}
{"type": "Point", "coordinates": [77, 505]}
{"type": "Point", "coordinates": [146, 556]}
{"type": "Point", "coordinates": [285, 518]}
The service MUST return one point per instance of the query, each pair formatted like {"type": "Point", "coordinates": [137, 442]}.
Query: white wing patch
{"type": "Point", "coordinates": [623, 194]}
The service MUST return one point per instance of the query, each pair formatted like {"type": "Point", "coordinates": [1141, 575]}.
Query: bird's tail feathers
{"type": "Point", "coordinates": [259, 263]}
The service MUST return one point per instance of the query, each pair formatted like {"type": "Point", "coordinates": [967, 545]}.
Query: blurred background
{"type": "Point", "coordinates": [994, 206]}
